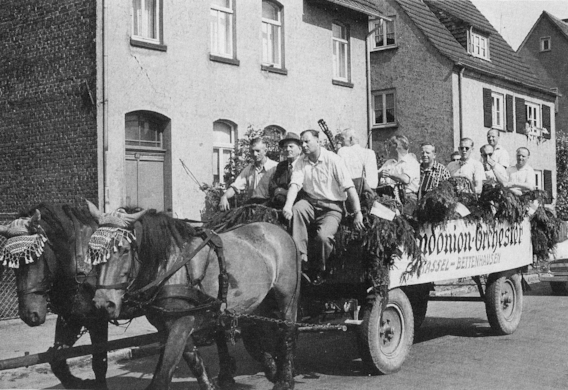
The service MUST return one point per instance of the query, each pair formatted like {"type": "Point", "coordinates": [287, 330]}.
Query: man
{"type": "Point", "coordinates": [291, 147]}
{"type": "Point", "coordinates": [361, 162]}
{"type": "Point", "coordinates": [500, 155]}
{"type": "Point", "coordinates": [254, 178]}
{"type": "Point", "coordinates": [467, 167]}
{"type": "Point", "coordinates": [494, 172]}
{"type": "Point", "coordinates": [402, 168]}
{"type": "Point", "coordinates": [455, 156]}
{"type": "Point", "coordinates": [327, 184]}
{"type": "Point", "coordinates": [521, 176]}
{"type": "Point", "coordinates": [432, 173]}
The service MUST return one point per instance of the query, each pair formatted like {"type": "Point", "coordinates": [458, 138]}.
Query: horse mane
{"type": "Point", "coordinates": [160, 233]}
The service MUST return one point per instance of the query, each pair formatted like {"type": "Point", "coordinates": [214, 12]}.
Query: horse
{"type": "Point", "coordinates": [58, 276]}
{"type": "Point", "coordinates": [169, 271]}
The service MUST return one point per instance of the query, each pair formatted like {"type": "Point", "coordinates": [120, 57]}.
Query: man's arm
{"type": "Point", "coordinates": [478, 177]}
{"type": "Point", "coordinates": [371, 170]}
{"type": "Point", "coordinates": [500, 174]}
{"type": "Point", "coordinates": [238, 185]}
{"type": "Point", "coordinates": [290, 198]}
{"type": "Point", "coordinates": [224, 201]}
{"type": "Point", "coordinates": [353, 200]}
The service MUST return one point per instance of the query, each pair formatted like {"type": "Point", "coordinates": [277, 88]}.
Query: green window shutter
{"type": "Point", "coordinates": [521, 115]}
{"type": "Point", "coordinates": [487, 116]}
{"type": "Point", "coordinates": [546, 121]}
{"type": "Point", "coordinates": [548, 185]}
{"type": "Point", "coordinates": [509, 113]}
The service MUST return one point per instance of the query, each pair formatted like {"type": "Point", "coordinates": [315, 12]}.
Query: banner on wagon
{"type": "Point", "coordinates": [458, 250]}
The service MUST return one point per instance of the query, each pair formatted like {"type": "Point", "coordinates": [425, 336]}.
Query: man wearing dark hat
{"type": "Point", "coordinates": [290, 146]}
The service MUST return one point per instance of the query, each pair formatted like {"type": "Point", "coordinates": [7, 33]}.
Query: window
{"type": "Point", "coordinates": [143, 130]}
{"type": "Point", "coordinates": [532, 111]}
{"type": "Point", "coordinates": [146, 25]}
{"type": "Point", "coordinates": [538, 180]}
{"type": "Point", "coordinates": [222, 21]}
{"type": "Point", "coordinates": [545, 44]}
{"type": "Point", "coordinates": [224, 138]}
{"type": "Point", "coordinates": [274, 132]}
{"type": "Point", "coordinates": [340, 42]}
{"type": "Point", "coordinates": [497, 110]}
{"type": "Point", "coordinates": [272, 34]}
{"type": "Point", "coordinates": [478, 45]}
{"type": "Point", "coordinates": [384, 107]}
{"type": "Point", "coordinates": [384, 35]}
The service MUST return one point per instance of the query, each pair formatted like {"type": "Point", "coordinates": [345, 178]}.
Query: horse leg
{"type": "Point", "coordinates": [227, 363]}
{"type": "Point", "coordinates": [197, 367]}
{"type": "Point", "coordinates": [66, 332]}
{"type": "Point", "coordinates": [99, 334]}
{"type": "Point", "coordinates": [179, 331]}
{"type": "Point", "coordinates": [285, 361]}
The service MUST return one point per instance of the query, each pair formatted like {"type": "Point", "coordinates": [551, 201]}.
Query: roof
{"type": "Point", "coordinates": [437, 19]}
{"type": "Point", "coordinates": [365, 6]}
{"type": "Point", "coordinates": [537, 68]}
{"type": "Point", "coordinates": [562, 25]}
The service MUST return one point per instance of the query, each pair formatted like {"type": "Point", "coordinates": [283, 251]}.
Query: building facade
{"type": "Point", "coordinates": [441, 72]}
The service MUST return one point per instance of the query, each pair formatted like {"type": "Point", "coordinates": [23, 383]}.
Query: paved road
{"type": "Point", "coordinates": [453, 350]}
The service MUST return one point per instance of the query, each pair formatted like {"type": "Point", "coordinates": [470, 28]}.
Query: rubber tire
{"type": "Point", "coordinates": [558, 288]}
{"type": "Point", "coordinates": [504, 317]}
{"type": "Point", "coordinates": [378, 357]}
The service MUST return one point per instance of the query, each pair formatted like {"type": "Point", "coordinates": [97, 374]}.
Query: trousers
{"type": "Point", "coordinates": [325, 216]}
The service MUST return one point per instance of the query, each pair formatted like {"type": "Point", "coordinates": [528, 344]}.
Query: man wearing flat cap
{"type": "Point", "coordinates": [290, 146]}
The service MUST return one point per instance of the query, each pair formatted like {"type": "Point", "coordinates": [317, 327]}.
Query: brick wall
{"type": "Point", "coordinates": [422, 79]}
{"type": "Point", "coordinates": [48, 134]}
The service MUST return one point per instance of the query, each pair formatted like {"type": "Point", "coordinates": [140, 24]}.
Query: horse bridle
{"type": "Point", "coordinates": [135, 265]}
{"type": "Point", "coordinates": [45, 286]}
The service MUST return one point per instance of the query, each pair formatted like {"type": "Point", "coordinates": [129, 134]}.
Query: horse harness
{"type": "Point", "coordinates": [192, 293]}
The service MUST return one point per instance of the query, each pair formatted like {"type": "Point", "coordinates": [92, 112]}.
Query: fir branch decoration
{"type": "Point", "coordinates": [230, 219]}
{"type": "Point", "coordinates": [545, 233]}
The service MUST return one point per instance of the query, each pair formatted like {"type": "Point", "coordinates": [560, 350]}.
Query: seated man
{"type": "Point", "coordinates": [327, 184]}
{"type": "Point", "coordinates": [494, 172]}
{"type": "Point", "coordinates": [254, 178]}
{"type": "Point", "coordinates": [467, 167]}
{"type": "Point", "coordinates": [361, 162]}
{"type": "Point", "coordinates": [291, 146]}
{"type": "Point", "coordinates": [521, 176]}
{"type": "Point", "coordinates": [402, 168]}
{"type": "Point", "coordinates": [432, 173]}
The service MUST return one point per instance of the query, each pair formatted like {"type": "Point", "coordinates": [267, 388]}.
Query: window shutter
{"type": "Point", "coordinates": [521, 115]}
{"type": "Point", "coordinates": [548, 185]}
{"type": "Point", "coordinates": [546, 120]}
{"type": "Point", "coordinates": [487, 116]}
{"type": "Point", "coordinates": [509, 112]}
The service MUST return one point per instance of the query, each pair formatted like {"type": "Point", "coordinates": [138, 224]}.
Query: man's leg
{"type": "Point", "coordinates": [328, 222]}
{"type": "Point", "coordinates": [302, 216]}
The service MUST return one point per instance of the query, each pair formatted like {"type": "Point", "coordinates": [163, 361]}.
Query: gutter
{"type": "Point", "coordinates": [460, 100]}
{"type": "Point", "coordinates": [106, 200]}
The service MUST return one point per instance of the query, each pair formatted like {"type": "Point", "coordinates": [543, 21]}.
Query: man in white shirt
{"type": "Point", "coordinates": [494, 172]}
{"type": "Point", "coordinates": [254, 179]}
{"type": "Point", "coordinates": [521, 176]}
{"type": "Point", "coordinates": [468, 167]}
{"type": "Point", "coordinates": [500, 155]}
{"type": "Point", "coordinates": [360, 162]}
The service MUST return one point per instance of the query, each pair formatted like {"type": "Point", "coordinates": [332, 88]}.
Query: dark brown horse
{"type": "Point", "coordinates": [261, 261]}
{"type": "Point", "coordinates": [61, 279]}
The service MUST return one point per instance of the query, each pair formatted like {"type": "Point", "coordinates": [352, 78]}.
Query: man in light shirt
{"type": "Point", "coordinates": [327, 184]}
{"type": "Point", "coordinates": [494, 172]}
{"type": "Point", "coordinates": [500, 155]}
{"type": "Point", "coordinates": [468, 167]}
{"type": "Point", "coordinates": [254, 178]}
{"type": "Point", "coordinates": [360, 162]}
{"type": "Point", "coordinates": [521, 176]}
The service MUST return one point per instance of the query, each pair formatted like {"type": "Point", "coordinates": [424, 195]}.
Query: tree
{"type": "Point", "coordinates": [562, 176]}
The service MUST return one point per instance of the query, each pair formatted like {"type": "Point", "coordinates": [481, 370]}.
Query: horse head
{"type": "Point", "coordinates": [33, 264]}
{"type": "Point", "coordinates": [112, 250]}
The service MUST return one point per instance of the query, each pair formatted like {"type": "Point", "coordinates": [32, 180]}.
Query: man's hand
{"type": "Point", "coordinates": [287, 212]}
{"type": "Point", "coordinates": [358, 221]}
{"type": "Point", "coordinates": [224, 203]}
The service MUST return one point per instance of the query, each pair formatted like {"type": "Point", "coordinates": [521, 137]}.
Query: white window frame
{"type": "Point", "coordinates": [222, 35]}
{"type": "Point", "coordinates": [533, 115]}
{"type": "Point", "coordinates": [224, 146]}
{"type": "Point", "coordinates": [143, 18]}
{"type": "Point", "coordinates": [539, 179]}
{"type": "Point", "coordinates": [381, 29]}
{"type": "Point", "coordinates": [544, 40]}
{"type": "Point", "coordinates": [337, 44]}
{"type": "Point", "coordinates": [268, 49]}
{"type": "Point", "coordinates": [383, 95]}
{"type": "Point", "coordinates": [497, 111]}
{"type": "Point", "coordinates": [478, 45]}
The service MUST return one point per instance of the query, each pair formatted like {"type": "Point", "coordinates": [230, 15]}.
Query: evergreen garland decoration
{"type": "Point", "coordinates": [230, 219]}
{"type": "Point", "coordinates": [545, 233]}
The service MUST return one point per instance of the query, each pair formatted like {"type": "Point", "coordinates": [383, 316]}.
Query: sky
{"type": "Point", "coordinates": [514, 18]}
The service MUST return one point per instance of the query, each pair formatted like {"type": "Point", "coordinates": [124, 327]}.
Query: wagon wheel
{"type": "Point", "coordinates": [385, 340]}
{"type": "Point", "coordinates": [504, 302]}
